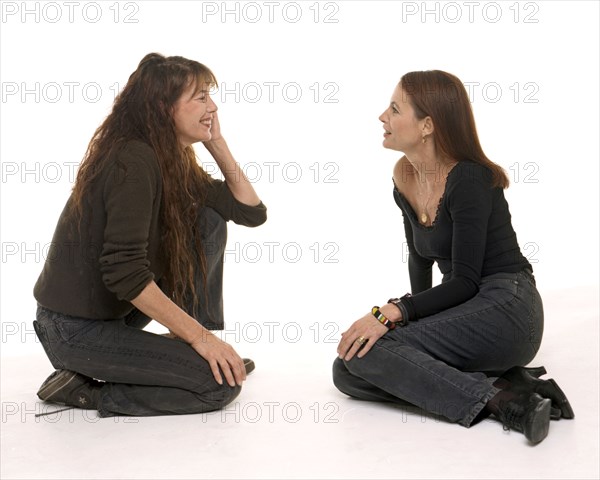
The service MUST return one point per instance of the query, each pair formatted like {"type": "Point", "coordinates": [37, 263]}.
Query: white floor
{"type": "Point", "coordinates": [290, 422]}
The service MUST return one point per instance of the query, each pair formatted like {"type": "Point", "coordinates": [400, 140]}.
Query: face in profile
{"type": "Point", "coordinates": [402, 130]}
{"type": "Point", "coordinates": [193, 115]}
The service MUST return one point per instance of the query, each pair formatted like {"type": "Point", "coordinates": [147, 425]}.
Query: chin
{"type": "Point", "coordinates": [204, 138]}
{"type": "Point", "coordinates": [388, 146]}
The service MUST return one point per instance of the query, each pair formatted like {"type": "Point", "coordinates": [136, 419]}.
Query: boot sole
{"type": "Point", "coordinates": [539, 422]}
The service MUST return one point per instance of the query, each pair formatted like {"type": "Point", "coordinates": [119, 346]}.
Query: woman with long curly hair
{"type": "Point", "coordinates": [142, 237]}
{"type": "Point", "coordinates": [456, 349]}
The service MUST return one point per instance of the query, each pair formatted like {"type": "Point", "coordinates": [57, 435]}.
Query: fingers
{"type": "Point", "coordinates": [224, 362]}
{"type": "Point", "coordinates": [364, 348]}
{"type": "Point", "coordinates": [214, 366]}
{"type": "Point", "coordinates": [229, 377]}
{"type": "Point", "coordinates": [239, 371]}
{"type": "Point", "coordinates": [348, 337]}
{"type": "Point", "coordinates": [355, 347]}
{"type": "Point", "coordinates": [350, 344]}
{"type": "Point", "coordinates": [234, 371]}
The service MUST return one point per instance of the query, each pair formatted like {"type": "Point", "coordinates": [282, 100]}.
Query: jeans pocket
{"type": "Point", "coordinates": [501, 289]}
{"type": "Point", "coordinates": [77, 330]}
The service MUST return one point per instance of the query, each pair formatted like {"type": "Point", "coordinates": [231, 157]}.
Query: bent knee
{"type": "Point", "coordinates": [341, 376]}
{"type": "Point", "coordinates": [221, 396]}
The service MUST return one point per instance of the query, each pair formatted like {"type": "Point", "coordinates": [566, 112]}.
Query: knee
{"type": "Point", "coordinates": [341, 375]}
{"type": "Point", "coordinates": [222, 396]}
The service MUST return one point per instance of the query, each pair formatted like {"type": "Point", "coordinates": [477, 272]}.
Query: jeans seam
{"type": "Point", "coordinates": [458, 387]}
{"type": "Point", "coordinates": [481, 400]}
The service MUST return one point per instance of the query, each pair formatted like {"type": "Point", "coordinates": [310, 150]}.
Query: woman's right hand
{"type": "Point", "coordinates": [155, 304]}
{"type": "Point", "coordinates": [221, 357]}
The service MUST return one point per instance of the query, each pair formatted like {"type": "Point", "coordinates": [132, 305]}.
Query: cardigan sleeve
{"type": "Point", "coordinates": [221, 199]}
{"type": "Point", "coordinates": [130, 187]}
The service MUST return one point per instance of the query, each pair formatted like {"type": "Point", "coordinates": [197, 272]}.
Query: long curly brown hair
{"type": "Point", "coordinates": [443, 97]}
{"type": "Point", "coordinates": [143, 110]}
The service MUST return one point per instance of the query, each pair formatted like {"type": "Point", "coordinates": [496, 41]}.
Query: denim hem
{"type": "Point", "coordinates": [478, 407]}
{"type": "Point", "coordinates": [103, 412]}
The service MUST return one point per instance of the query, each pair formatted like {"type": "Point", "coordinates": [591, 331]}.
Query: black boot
{"type": "Point", "coordinates": [524, 380]}
{"type": "Point", "coordinates": [527, 413]}
{"type": "Point", "coordinates": [65, 387]}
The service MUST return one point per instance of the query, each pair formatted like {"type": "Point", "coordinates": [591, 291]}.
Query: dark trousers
{"type": "Point", "coordinates": [446, 363]}
{"type": "Point", "coordinates": [144, 373]}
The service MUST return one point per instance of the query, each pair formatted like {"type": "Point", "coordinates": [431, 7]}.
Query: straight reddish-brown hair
{"type": "Point", "coordinates": [443, 97]}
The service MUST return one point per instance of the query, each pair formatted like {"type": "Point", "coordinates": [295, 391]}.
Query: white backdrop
{"type": "Point", "coordinates": [301, 87]}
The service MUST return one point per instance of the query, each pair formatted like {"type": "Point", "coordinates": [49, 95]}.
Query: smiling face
{"type": "Point", "coordinates": [403, 131]}
{"type": "Point", "coordinates": [192, 115]}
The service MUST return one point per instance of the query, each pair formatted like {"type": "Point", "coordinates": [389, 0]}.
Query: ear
{"type": "Point", "coordinates": [427, 126]}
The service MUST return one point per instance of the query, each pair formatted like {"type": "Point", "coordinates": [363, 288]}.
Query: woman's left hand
{"type": "Point", "coordinates": [360, 337]}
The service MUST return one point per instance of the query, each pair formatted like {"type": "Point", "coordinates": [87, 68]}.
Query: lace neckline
{"type": "Point", "coordinates": [411, 210]}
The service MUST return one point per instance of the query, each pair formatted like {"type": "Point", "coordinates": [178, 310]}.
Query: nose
{"type": "Point", "coordinates": [382, 117]}
{"type": "Point", "coordinates": [212, 106]}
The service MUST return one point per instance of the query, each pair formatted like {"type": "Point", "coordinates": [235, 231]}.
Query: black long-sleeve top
{"type": "Point", "coordinates": [95, 270]}
{"type": "Point", "coordinates": [471, 237]}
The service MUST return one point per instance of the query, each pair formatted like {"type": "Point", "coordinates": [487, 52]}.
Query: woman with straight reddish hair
{"type": "Point", "coordinates": [143, 237]}
{"type": "Point", "coordinates": [457, 349]}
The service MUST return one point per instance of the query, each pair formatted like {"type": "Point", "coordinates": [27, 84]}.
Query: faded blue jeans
{"type": "Point", "coordinates": [446, 363]}
{"type": "Point", "coordinates": [144, 373]}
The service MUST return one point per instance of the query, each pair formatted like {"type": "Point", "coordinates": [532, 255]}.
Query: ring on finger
{"type": "Point", "coordinates": [361, 340]}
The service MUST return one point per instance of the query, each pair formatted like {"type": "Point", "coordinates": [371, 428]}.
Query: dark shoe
{"type": "Point", "coordinates": [249, 364]}
{"type": "Point", "coordinates": [523, 380]}
{"type": "Point", "coordinates": [65, 387]}
{"type": "Point", "coordinates": [528, 414]}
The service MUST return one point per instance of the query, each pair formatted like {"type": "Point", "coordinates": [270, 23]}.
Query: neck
{"type": "Point", "coordinates": [430, 168]}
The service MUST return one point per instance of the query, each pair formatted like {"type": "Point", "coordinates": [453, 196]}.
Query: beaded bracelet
{"type": "Point", "coordinates": [382, 318]}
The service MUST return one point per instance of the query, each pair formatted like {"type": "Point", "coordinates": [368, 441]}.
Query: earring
{"type": "Point", "coordinates": [424, 139]}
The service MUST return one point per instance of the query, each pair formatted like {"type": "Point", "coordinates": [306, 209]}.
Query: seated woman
{"type": "Point", "coordinates": [442, 347]}
{"type": "Point", "coordinates": [143, 237]}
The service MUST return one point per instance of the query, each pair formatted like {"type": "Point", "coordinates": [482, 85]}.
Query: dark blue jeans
{"type": "Point", "coordinates": [446, 363]}
{"type": "Point", "coordinates": [144, 373]}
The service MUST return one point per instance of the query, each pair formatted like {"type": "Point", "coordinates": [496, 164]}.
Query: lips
{"type": "Point", "coordinates": [207, 123]}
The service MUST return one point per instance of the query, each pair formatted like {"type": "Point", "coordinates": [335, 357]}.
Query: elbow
{"type": "Point", "coordinates": [254, 217]}
{"type": "Point", "coordinates": [469, 286]}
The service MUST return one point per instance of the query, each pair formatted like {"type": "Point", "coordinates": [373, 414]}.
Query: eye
{"type": "Point", "coordinates": [394, 109]}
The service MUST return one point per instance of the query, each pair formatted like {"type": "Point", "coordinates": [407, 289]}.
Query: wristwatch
{"type": "Point", "coordinates": [398, 302]}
